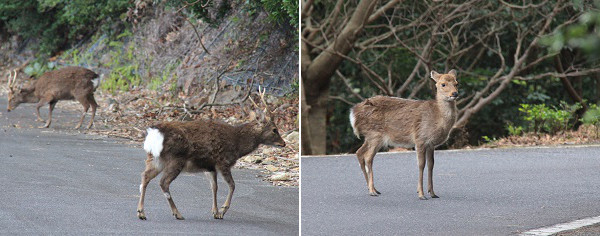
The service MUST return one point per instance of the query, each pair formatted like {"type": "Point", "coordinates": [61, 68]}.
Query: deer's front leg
{"type": "Point", "coordinates": [37, 110]}
{"type": "Point", "coordinates": [50, 109]}
{"type": "Point", "coordinates": [421, 150]}
{"type": "Point", "coordinates": [430, 162]}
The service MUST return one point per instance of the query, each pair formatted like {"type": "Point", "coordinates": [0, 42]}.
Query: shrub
{"type": "Point", "coordinates": [548, 119]}
{"type": "Point", "coordinates": [592, 117]}
{"type": "Point", "coordinates": [57, 23]}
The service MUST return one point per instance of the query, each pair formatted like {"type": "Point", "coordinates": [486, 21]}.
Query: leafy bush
{"type": "Point", "coordinates": [514, 130]}
{"type": "Point", "coordinates": [592, 117]}
{"type": "Point", "coordinates": [37, 68]}
{"type": "Point", "coordinates": [56, 23]}
{"type": "Point", "coordinates": [282, 11]}
{"type": "Point", "coordinates": [125, 73]}
{"type": "Point", "coordinates": [548, 119]}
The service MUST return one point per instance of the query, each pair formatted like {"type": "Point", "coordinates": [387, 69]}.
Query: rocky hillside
{"type": "Point", "coordinates": [166, 63]}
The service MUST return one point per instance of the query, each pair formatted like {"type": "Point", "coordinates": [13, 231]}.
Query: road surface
{"type": "Point", "coordinates": [482, 192]}
{"type": "Point", "coordinates": [60, 181]}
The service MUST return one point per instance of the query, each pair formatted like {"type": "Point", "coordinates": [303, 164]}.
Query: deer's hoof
{"type": "Point", "coordinates": [377, 191]}
{"type": "Point", "coordinates": [178, 216]}
{"type": "Point", "coordinates": [141, 215]}
{"type": "Point", "coordinates": [374, 194]}
{"type": "Point", "coordinates": [422, 198]}
{"type": "Point", "coordinates": [434, 196]}
{"type": "Point", "coordinates": [44, 127]}
{"type": "Point", "coordinates": [218, 215]}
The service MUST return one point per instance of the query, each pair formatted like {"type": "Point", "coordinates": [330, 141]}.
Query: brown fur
{"type": "Point", "coordinates": [63, 84]}
{"type": "Point", "coordinates": [208, 146]}
{"type": "Point", "coordinates": [389, 121]}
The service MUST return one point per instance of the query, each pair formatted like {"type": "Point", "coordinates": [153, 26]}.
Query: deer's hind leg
{"type": "Point", "coordinates": [366, 155]}
{"type": "Point", "coordinates": [86, 106]}
{"type": "Point", "coordinates": [226, 173]}
{"type": "Point", "coordinates": [149, 173]}
{"type": "Point", "coordinates": [51, 106]}
{"type": "Point", "coordinates": [94, 105]}
{"type": "Point", "coordinates": [170, 173]}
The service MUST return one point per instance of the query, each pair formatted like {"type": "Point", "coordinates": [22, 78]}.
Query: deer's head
{"type": "Point", "coordinates": [18, 95]}
{"type": "Point", "coordinates": [446, 84]}
{"type": "Point", "coordinates": [265, 121]}
{"type": "Point", "coordinates": [14, 98]}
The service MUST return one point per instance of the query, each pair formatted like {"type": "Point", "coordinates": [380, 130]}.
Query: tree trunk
{"type": "Point", "coordinates": [317, 73]}
{"type": "Point", "coordinates": [305, 124]}
{"type": "Point", "coordinates": [317, 116]}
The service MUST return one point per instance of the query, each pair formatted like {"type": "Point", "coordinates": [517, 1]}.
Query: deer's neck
{"type": "Point", "coordinates": [447, 110]}
{"type": "Point", "coordinates": [248, 139]}
{"type": "Point", "coordinates": [30, 96]}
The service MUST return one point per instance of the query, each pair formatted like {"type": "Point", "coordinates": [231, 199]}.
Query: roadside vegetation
{"type": "Point", "coordinates": [527, 67]}
{"type": "Point", "coordinates": [167, 60]}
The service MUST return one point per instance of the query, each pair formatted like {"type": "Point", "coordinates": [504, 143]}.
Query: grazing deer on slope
{"type": "Point", "coordinates": [203, 146]}
{"type": "Point", "coordinates": [389, 121]}
{"type": "Point", "coordinates": [63, 84]}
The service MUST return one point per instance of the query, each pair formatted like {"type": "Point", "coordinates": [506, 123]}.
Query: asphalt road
{"type": "Point", "coordinates": [60, 181]}
{"type": "Point", "coordinates": [482, 192]}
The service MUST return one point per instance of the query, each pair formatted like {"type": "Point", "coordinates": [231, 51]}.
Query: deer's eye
{"type": "Point", "coordinates": [443, 85]}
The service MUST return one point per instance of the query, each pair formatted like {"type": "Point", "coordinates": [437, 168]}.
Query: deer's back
{"type": "Point", "coordinates": [65, 83]}
{"type": "Point", "coordinates": [203, 143]}
{"type": "Point", "coordinates": [400, 122]}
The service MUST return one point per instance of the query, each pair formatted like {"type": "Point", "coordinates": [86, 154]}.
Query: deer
{"type": "Point", "coordinates": [67, 83]}
{"type": "Point", "coordinates": [208, 146]}
{"type": "Point", "coordinates": [391, 121]}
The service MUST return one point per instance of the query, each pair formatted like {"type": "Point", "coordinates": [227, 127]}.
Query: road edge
{"type": "Point", "coordinates": [562, 227]}
{"type": "Point", "coordinates": [460, 150]}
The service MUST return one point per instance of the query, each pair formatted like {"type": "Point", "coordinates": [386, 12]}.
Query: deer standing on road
{"type": "Point", "coordinates": [389, 121]}
{"type": "Point", "coordinates": [203, 146]}
{"type": "Point", "coordinates": [63, 84]}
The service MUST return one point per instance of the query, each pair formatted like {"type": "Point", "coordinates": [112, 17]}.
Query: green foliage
{"type": "Point", "coordinates": [488, 139]}
{"type": "Point", "coordinates": [514, 130]}
{"type": "Point", "coordinates": [548, 119]}
{"type": "Point", "coordinates": [204, 10]}
{"type": "Point", "coordinates": [282, 11]}
{"type": "Point", "coordinates": [167, 74]}
{"type": "Point", "coordinates": [125, 70]}
{"type": "Point", "coordinates": [592, 117]}
{"type": "Point", "coordinates": [57, 23]}
{"type": "Point", "coordinates": [584, 35]}
{"type": "Point", "coordinates": [37, 68]}
{"type": "Point", "coordinates": [122, 78]}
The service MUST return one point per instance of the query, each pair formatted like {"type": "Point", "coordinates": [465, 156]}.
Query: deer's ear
{"type": "Point", "coordinates": [452, 72]}
{"type": "Point", "coordinates": [435, 76]}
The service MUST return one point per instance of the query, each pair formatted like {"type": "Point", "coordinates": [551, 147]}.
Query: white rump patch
{"type": "Point", "coordinates": [154, 142]}
{"type": "Point", "coordinates": [353, 123]}
{"type": "Point", "coordinates": [95, 82]}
